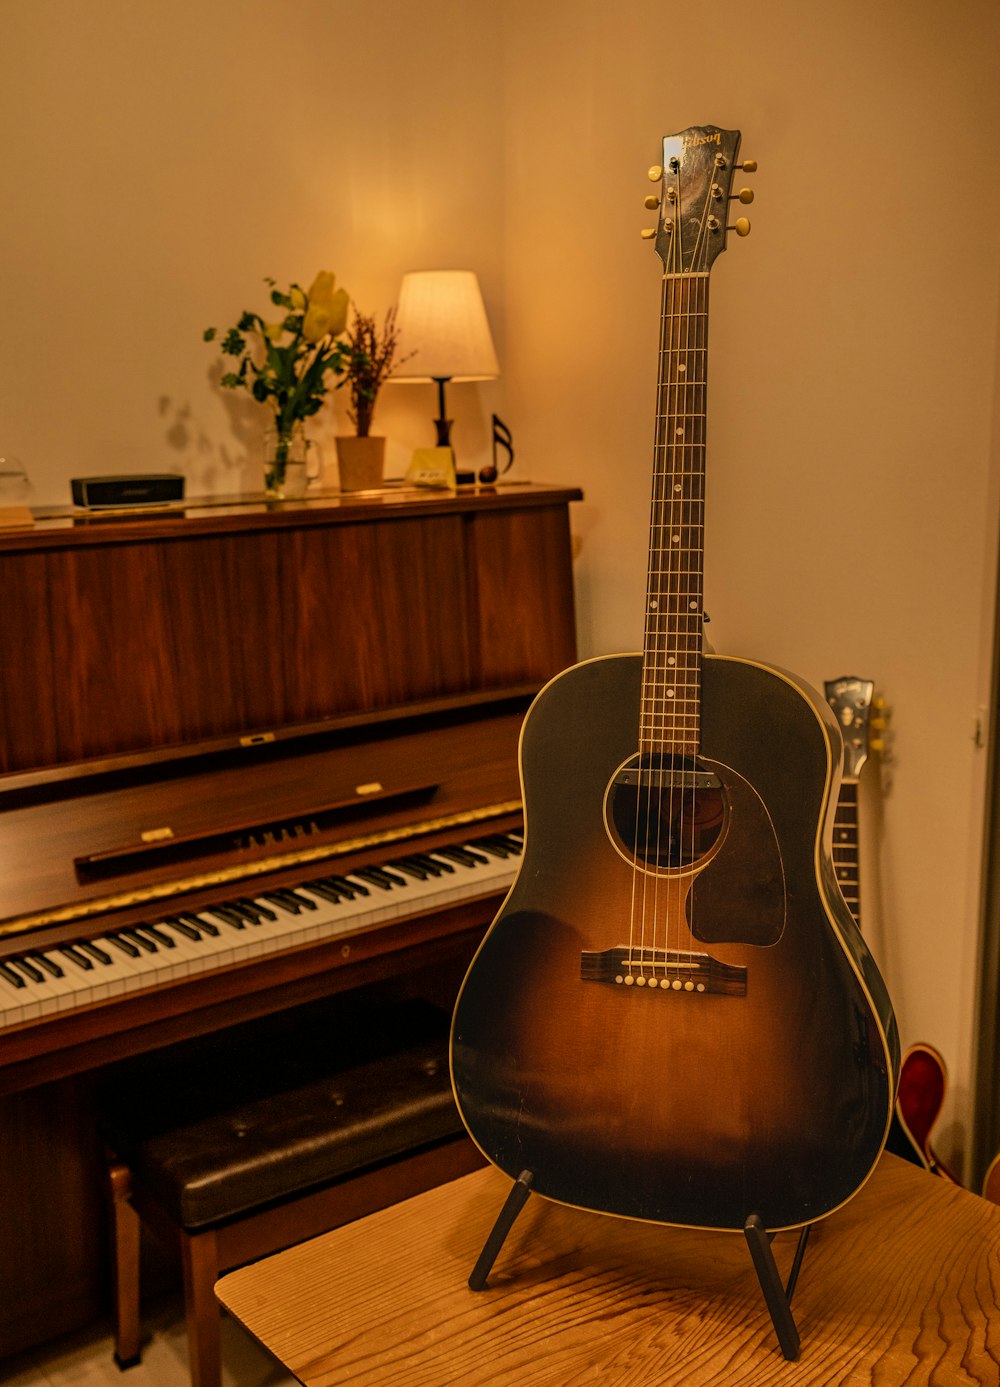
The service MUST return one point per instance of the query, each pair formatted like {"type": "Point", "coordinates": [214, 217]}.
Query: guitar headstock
{"type": "Point", "coordinates": [696, 188]}
{"type": "Point", "coordinates": [851, 701]}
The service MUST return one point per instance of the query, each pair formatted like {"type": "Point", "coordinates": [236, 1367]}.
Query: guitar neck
{"type": "Point", "coordinates": [670, 709]}
{"type": "Point", "coordinates": [846, 855]}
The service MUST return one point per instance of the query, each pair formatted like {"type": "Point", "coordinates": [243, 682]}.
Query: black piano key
{"type": "Point", "coordinates": [292, 906]}
{"type": "Point", "coordinates": [246, 910]}
{"type": "Point", "coordinates": [328, 893]}
{"type": "Point", "coordinates": [95, 952]}
{"type": "Point", "coordinates": [26, 966]}
{"type": "Point", "coordinates": [262, 910]}
{"type": "Point", "coordinates": [182, 927]}
{"type": "Point", "coordinates": [465, 857]}
{"type": "Point", "coordinates": [303, 901]}
{"type": "Point", "coordinates": [412, 868]}
{"type": "Point", "coordinates": [349, 888]}
{"type": "Point", "coordinates": [227, 916]}
{"type": "Point", "coordinates": [148, 946]}
{"type": "Point", "coordinates": [385, 881]}
{"type": "Point", "coordinates": [12, 977]}
{"type": "Point", "coordinates": [75, 956]}
{"type": "Point", "coordinates": [433, 865]}
{"type": "Point", "coordinates": [498, 845]}
{"type": "Point", "coordinates": [49, 964]}
{"type": "Point", "coordinates": [125, 945]}
{"type": "Point", "coordinates": [200, 923]}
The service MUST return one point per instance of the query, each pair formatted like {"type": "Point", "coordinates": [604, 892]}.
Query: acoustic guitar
{"type": "Point", "coordinates": [674, 1017]}
{"type": "Point", "coordinates": [923, 1077]}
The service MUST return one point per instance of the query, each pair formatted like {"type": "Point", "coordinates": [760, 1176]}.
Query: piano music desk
{"type": "Point", "coordinates": [899, 1286]}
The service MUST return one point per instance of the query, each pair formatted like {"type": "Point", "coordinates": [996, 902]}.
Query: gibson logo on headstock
{"type": "Point", "coordinates": [713, 137]}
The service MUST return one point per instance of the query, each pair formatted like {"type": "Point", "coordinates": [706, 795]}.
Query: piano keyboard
{"type": "Point", "coordinates": [183, 944]}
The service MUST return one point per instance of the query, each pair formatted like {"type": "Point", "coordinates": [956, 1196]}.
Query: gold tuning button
{"type": "Point", "coordinates": [655, 173]}
{"type": "Point", "coordinates": [748, 166]}
{"type": "Point", "coordinates": [744, 195]}
{"type": "Point", "coordinates": [741, 226]}
{"type": "Point", "coordinates": [648, 232]}
{"type": "Point", "coordinates": [876, 744]}
{"type": "Point", "coordinates": [652, 202]}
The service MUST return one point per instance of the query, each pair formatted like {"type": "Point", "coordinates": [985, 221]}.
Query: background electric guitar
{"type": "Point", "coordinates": [923, 1077]}
{"type": "Point", "coordinates": [674, 1016]}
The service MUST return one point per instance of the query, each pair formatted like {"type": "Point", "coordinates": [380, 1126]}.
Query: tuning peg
{"type": "Point", "coordinates": [876, 744]}
{"type": "Point", "coordinates": [655, 173]}
{"type": "Point", "coordinates": [748, 166]}
{"type": "Point", "coordinates": [652, 202]}
{"type": "Point", "coordinates": [648, 232]}
{"type": "Point", "coordinates": [741, 226]}
{"type": "Point", "coordinates": [744, 195]}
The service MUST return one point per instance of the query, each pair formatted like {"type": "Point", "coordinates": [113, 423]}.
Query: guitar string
{"type": "Point", "coordinates": [649, 795]}
{"type": "Point", "coordinates": [639, 880]}
{"type": "Point", "coordinates": [653, 754]}
{"type": "Point", "coordinates": [685, 809]}
{"type": "Point", "coordinates": [695, 484]}
{"type": "Point", "coordinates": [668, 707]}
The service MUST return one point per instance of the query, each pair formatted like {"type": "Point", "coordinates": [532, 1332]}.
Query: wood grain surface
{"type": "Point", "coordinates": [900, 1286]}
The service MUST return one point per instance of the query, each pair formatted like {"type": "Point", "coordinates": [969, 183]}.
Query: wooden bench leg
{"type": "Point", "coordinates": [200, 1258]}
{"type": "Point", "coordinates": [125, 1236]}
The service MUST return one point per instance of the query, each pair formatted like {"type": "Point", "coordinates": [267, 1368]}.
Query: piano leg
{"type": "Point", "coordinates": [125, 1242]}
{"type": "Point", "coordinates": [200, 1257]}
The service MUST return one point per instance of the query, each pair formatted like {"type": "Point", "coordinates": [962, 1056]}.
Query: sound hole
{"type": "Point", "coordinates": [665, 811]}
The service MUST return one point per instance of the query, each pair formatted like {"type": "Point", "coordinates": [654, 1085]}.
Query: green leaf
{"type": "Point", "coordinates": [208, 335]}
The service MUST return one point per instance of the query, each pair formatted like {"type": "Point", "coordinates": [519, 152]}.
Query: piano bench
{"type": "Point", "coordinates": [231, 1165]}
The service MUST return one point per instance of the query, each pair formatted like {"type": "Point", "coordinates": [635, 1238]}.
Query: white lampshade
{"type": "Point", "coordinates": [442, 320]}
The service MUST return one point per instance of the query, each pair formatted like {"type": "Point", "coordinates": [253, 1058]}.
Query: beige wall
{"type": "Point", "coordinates": [160, 159]}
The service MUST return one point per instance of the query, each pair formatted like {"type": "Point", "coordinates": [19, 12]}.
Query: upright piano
{"type": "Point", "coordinates": [205, 715]}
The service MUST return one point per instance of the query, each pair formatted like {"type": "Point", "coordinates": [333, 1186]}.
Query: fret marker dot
{"type": "Point", "coordinates": [670, 693]}
{"type": "Point", "coordinates": [671, 660]}
{"type": "Point", "coordinates": [677, 486]}
{"type": "Point", "coordinates": [653, 605]}
{"type": "Point", "coordinates": [679, 431]}
{"type": "Point", "coordinates": [682, 366]}
{"type": "Point", "coordinates": [693, 606]}
{"type": "Point", "coordinates": [676, 539]}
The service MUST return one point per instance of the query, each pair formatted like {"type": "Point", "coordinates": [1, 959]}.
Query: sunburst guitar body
{"type": "Point", "coordinates": [674, 1017]}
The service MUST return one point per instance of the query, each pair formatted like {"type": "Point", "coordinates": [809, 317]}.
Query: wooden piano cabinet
{"type": "Point", "coordinates": [145, 660]}
{"type": "Point", "coordinates": [156, 632]}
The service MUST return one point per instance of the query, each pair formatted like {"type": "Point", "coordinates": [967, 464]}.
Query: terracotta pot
{"type": "Point", "coordinates": [360, 462]}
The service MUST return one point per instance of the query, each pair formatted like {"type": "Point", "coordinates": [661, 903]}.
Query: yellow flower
{"type": "Point", "coordinates": [316, 323]}
{"type": "Point", "coordinates": [297, 298]}
{"type": "Point", "coordinates": [273, 331]}
{"type": "Point", "coordinates": [321, 290]}
{"type": "Point", "coordinates": [326, 313]}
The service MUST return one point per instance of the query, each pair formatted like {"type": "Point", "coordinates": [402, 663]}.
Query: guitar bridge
{"type": "Point", "coordinates": [662, 970]}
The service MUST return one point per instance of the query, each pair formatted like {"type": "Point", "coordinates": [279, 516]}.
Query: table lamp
{"type": "Point", "coordinates": [442, 320]}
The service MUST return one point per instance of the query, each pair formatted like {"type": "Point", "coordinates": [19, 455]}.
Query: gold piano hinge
{"type": "Point", "coordinates": [165, 889]}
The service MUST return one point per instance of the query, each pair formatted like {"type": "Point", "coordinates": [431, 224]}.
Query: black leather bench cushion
{"type": "Point", "coordinates": [218, 1130]}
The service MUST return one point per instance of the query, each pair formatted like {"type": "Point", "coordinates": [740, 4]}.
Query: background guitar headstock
{"type": "Point", "coordinates": [696, 182]}
{"type": "Point", "coordinates": [851, 700]}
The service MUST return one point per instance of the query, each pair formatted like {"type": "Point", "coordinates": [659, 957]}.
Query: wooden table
{"type": "Point", "coordinates": [899, 1286]}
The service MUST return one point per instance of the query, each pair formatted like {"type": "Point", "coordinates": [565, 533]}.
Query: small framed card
{"type": "Point", "coordinates": [432, 467]}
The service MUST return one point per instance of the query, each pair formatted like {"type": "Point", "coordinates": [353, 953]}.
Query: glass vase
{"type": "Point", "coordinates": [289, 461]}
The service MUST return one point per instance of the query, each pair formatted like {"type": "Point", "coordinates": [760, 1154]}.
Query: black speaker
{"type": "Point", "coordinates": [143, 489]}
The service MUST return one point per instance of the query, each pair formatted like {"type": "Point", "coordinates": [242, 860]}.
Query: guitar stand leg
{"type": "Point", "coordinates": [514, 1203]}
{"type": "Point", "coordinates": [778, 1297]}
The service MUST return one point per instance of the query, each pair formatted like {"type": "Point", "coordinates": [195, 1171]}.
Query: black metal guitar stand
{"type": "Point", "coordinates": [777, 1297]}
